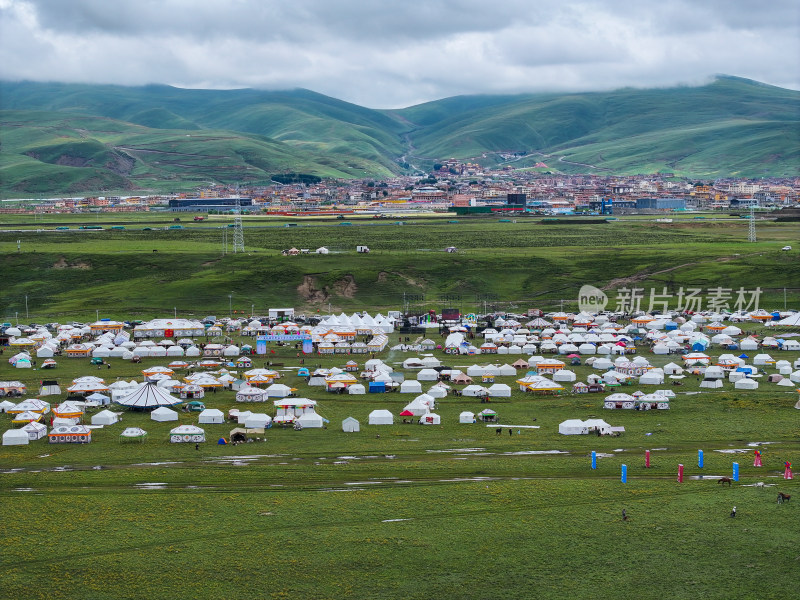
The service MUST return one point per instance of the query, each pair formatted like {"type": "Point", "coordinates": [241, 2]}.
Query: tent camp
{"type": "Point", "coordinates": [381, 417]}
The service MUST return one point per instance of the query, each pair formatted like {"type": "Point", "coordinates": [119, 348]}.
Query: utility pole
{"type": "Point", "coordinates": [26, 307]}
{"type": "Point", "coordinates": [238, 232]}
{"type": "Point", "coordinates": [230, 304]}
{"type": "Point", "coordinates": [751, 232]}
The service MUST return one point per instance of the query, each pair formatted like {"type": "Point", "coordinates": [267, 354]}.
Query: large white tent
{"type": "Point", "coordinates": [163, 414]}
{"type": "Point", "coordinates": [105, 417]}
{"type": "Point", "coordinates": [381, 417]}
{"type": "Point", "coordinates": [15, 437]}
{"type": "Point", "coordinates": [210, 416]}
{"type": "Point", "coordinates": [147, 396]}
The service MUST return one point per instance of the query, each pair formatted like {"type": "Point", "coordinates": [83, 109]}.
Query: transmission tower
{"type": "Point", "coordinates": [238, 233]}
{"type": "Point", "coordinates": [751, 232]}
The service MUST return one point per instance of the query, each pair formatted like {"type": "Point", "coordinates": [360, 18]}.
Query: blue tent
{"type": "Point", "coordinates": [699, 346]}
{"type": "Point", "coordinates": [670, 326]}
{"type": "Point", "coordinates": [377, 387]}
{"type": "Point", "coordinates": [303, 372]}
{"type": "Point", "coordinates": [743, 356]}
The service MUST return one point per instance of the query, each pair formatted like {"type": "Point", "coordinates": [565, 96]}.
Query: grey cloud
{"type": "Point", "coordinates": [388, 54]}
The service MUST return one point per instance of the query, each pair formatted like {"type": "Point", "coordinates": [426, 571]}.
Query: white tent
{"type": "Point", "coordinates": [256, 420]}
{"type": "Point", "coordinates": [381, 417]}
{"type": "Point", "coordinates": [712, 384]}
{"type": "Point", "coordinates": [417, 407]}
{"type": "Point", "coordinates": [499, 390]}
{"type": "Point", "coordinates": [437, 391]}
{"type": "Point", "coordinates": [714, 372]}
{"type": "Point", "coordinates": [746, 384]}
{"type": "Point", "coordinates": [211, 416]}
{"type": "Point", "coordinates": [466, 417]}
{"type": "Point", "coordinates": [430, 419]}
{"type": "Point", "coordinates": [105, 417]}
{"type": "Point", "coordinates": [187, 433]}
{"type": "Point", "coordinates": [427, 375]}
{"type": "Point", "coordinates": [411, 387]}
{"type": "Point", "coordinates": [148, 395]}
{"type": "Point", "coordinates": [278, 390]}
{"type": "Point", "coordinates": [310, 420]}
{"type": "Point", "coordinates": [35, 431]}
{"type": "Point", "coordinates": [572, 427]}
{"type": "Point", "coordinates": [163, 414]}
{"type": "Point", "coordinates": [673, 369]}
{"type": "Point", "coordinates": [652, 378]}
{"type": "Point", "coordinates": [15, 437]}
{"type": "Point", "coordinates": [474, 391]}
{"type": "Point", "coordinates": [564, 375]}
{"type": "Point", "coordinates": [350, 425]}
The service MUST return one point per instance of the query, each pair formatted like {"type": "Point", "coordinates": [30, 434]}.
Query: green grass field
{"type": "Point", "coordinates": [409, 511]}
{"type": "Point", "coordinates": [519, 265]}
{"type": "Point", "coordinates": [401, 511]}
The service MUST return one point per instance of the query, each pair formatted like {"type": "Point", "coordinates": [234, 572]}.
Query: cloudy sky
{"type": "Point", "coordinates": [387, 53]}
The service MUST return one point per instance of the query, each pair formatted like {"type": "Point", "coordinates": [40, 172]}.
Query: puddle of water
{"type": "Point", "coordinates": [531, 452]}
{"type": "Point", "coordinates": [364, 483]}
{"type": "Point", "coordinates": [394, 520]}
{"type": "Point", "coordinates": [733, 451]}
{"type": "Point", "coordinates": [753, 444]}
{"type": "Point", "coordinates": [157, 464]}
{"type": "Point", "coordinates": [150, 486]}
{"type": "Point", "coordinates": [24, 489]}
{"type": "Point", "coordinates": [459, 450]}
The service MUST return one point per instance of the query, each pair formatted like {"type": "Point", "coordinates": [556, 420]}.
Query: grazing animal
{"type": "Point", "coordinates": [724, 480]}
{"type": "Point", "coordinates": [733, 512]}
{"type": "Point", "coordinates": [498, 431]}
{"type": "Point", "coordinates": [783, 497]}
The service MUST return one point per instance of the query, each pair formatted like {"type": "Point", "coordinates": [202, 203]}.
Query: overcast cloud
{"type": "Point", "coordinates": [385, 53]}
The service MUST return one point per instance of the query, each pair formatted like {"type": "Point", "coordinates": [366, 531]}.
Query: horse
{"type": "Point", "coordinates": [783, 497]}
{"type": "Point", "coordinates": [724, 480]}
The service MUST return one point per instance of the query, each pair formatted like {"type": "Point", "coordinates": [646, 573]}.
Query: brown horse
{"type": "Point", "coordinates": [783, 497]}
{"type": "Point", "coordinates": [724, 480]}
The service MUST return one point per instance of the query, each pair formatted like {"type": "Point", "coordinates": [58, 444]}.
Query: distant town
{"type": "Point", "coordinates": [453, 186]}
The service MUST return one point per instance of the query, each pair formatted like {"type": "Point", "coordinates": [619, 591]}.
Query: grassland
{"type": "Point", "coordinates": [402, 511]}
{"type": "Point", "coordinates": [525, 264]}
{"type": "Point", "coordinates": [407, 511]}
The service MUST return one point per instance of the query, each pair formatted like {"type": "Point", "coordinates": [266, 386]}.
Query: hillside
{"type": "Point", "coordinates": [730, 127]}
{"type": "Point", "coordinates": [75, 138]}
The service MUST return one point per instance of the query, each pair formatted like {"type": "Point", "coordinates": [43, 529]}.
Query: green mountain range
{"type": "Point", "coordinates": [74, 138]}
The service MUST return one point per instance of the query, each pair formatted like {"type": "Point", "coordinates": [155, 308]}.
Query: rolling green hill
{"type": "Point", "coordinates": [729, 127]}
{"type": "Point", "coordinates": [73, 138]}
